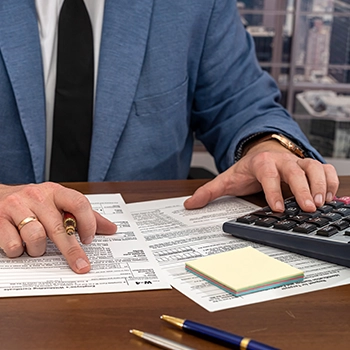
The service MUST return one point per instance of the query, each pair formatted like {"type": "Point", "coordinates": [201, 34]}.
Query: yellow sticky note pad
{"type": "Point", "coordinates": [244, 271]}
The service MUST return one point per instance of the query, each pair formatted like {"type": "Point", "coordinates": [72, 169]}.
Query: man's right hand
{"type": "Point", "coordinates": [46, 203]}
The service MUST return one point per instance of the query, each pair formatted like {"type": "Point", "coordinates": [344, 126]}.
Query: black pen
{"type": "Point", "coordinates": [216, 335]}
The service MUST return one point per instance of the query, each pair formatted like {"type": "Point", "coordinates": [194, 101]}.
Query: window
{"type": "Point", "coordinates": [305, 46]}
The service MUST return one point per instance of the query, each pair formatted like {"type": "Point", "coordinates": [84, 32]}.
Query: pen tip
{"type": "Point", "coordinates": [136, 332]}
{"type": "Point", "coordinates": [173, 320]}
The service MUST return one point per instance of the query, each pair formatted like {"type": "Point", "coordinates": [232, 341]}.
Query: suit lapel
{"type": "Point", "coordinates": [20, 47]}
{"type": "Point", "coordinates": [123, 45]}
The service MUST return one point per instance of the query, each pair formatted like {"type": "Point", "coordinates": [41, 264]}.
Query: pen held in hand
{"type": "Point", "coordinates": [216, 335]}
{"type": "Point", "coordinates": [69, 223]}
{"type": "Point", "coordinates": [160, 341]}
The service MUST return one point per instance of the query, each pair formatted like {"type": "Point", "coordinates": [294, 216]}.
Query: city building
{"type": "Point", "coordinates": [340, 42]}
{"type": "Point", "coordinates": [326, 121]}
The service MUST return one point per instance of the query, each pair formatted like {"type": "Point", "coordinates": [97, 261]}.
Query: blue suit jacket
{"type": "Point", "coordinates": [167, 69]}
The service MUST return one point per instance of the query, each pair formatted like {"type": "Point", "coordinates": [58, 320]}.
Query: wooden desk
{"type": "Point", "coordinates": [318, 320]}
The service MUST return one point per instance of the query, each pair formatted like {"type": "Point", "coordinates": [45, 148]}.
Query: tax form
{"type": "Point", "coordinates": [121, 262]}
{"type": "Point", "coordinates": [176, 235]}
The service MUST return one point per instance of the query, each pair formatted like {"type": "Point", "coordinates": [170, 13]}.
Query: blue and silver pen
{"type": "Point", "coordinates": [216, 335]}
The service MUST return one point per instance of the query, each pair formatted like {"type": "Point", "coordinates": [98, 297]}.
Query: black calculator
{"type": "Point", "coordinates": [323, 234]}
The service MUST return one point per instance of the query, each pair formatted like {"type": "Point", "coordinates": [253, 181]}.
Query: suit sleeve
{"type": "Point", "coordinates": [234, 97]}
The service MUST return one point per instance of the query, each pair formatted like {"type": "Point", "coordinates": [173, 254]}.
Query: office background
{"type": "Point", "coordinates": [305, 46]}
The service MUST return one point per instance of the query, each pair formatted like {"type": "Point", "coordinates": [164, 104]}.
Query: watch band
{"type": "Point", "coordinates": [283, 140]}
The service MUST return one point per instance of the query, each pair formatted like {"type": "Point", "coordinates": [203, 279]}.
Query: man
{"type": "Point", "coordinates": [163, 70]}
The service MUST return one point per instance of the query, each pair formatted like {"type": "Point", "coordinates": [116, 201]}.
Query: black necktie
{"type": "Point", "coordinates": [72, 125]}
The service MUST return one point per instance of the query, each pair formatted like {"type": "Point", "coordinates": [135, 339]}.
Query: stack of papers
{"type": "Point", "coordinates": [243, 271]}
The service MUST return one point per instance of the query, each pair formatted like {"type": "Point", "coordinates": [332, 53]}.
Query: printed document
{"type": "Point", "coordinates": [149, 251]}
{"type": "Point", "coordinates": [176, 235]}
{"type": "Point", "coordinates": [121, 262]}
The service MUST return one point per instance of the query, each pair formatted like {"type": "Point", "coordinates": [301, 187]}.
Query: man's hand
{"type": "Point", "coordinates": [46, 202]}
{"type": "Point", "coordinates": [264, 167]}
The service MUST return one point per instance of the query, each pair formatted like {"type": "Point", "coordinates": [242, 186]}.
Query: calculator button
{"type": "Point", "coordinates": [261, 213]}
{"type": "Point", "coordinates": [312, 215]}
{"type": "Point", "coordinates": [299, 218]}
{"type": "Point", "coordinates": [335, 204]}
{"type": "Point", "coordinates": [347, 218]}
{"type": "Point", "coordinates": [290, 201]}
{"type": "Point", "coordinates": [332, 216]}
{"type": "Point", "coordinates": [285, 225]}
{"type": "Point", "coordinates": [271, 214]}
{"type": "Point", "coordinates": [327, 231]}
{"type": "Point", "coordinates": [325, 208]}
{"type": "Point", "coordinates": [319, 222]}
{"type": "Point", "coordinates": [342, 211]}
{"type": "Point", "coordinates": [292, 210]}
{"type": "Point", "coordinates": [279, 216]}
{"type": "Point", "coordinates": [341, 224]}
{"type": "Point", "coordinates": [247, 219]}
{"type": "Point", "coordinates": [305, 228]}
{"type": "Point", "coordinates": [265, 222]}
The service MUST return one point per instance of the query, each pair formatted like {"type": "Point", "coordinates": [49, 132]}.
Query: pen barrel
{"type": "Point", "coordinates": [69, 220]}
{"type": "Point", "coordinates": [164, 343]}
{"type": "Point", "coordinates": [211, 333]}
{"type": "Point", "coordinates": [255, 345]}
{"type": "Point", "coordinates": [69, 223]}
{"type": "Point", "coordinates": [223, 338]}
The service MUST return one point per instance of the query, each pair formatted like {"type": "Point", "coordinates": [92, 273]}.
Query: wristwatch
{"type": "Point", "coordinates": [283, 140]}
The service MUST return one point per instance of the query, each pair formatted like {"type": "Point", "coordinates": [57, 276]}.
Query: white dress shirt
{"type": "Point", "coordinates": [48, 13]}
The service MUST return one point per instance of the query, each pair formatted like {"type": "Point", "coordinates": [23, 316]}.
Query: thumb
{"type": "Point", "coordinates": [206, 193]}
{"type": "Point", "coordinates": [104, 226]}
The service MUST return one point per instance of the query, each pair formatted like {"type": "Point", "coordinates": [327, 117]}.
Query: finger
{"type": "Point", "coordinates": [269, 177]}
{"type": "Point", "coordinates": [315, 173]}
{"type": "Point", "coordinates": [27, 228]}
{"type": "Point", "coordinates": [332, 181]}
{"type": "Point", "coordinates": [76, 203]}
{"type": "Point", "coordinates": [68, 245]}
{"type": "Point", "coordinates": [52, 220]}
{"type": "Point", "coordinates": [33, 235]}
{"type": "Point", "coordinates": [71, 250]}
{"type": "Point", "coordinates": [295, 177]}
{"type": "Point", "coordinates": [10, 241]}
{"type": "Point", "coordinates": [104, 226]}
{"type": "Point", "coordinates": [71, 201]}
{"type": "Point", "coordinates": [206, 193]}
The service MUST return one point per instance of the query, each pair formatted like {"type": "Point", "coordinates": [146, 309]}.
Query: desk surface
{"type": "Point", "coordinates": [317, 320]}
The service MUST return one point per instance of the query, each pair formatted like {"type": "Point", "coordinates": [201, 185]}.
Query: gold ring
{"type": "Point", "coordinates": [26, 221]}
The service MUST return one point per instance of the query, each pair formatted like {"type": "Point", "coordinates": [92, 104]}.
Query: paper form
{"type": "Point", "coordinates": [176, 235]}
{"type": "Point", "coordinates": [121, 262]}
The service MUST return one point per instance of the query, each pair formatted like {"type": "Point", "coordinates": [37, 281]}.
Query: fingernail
{"type": "Point", "coordinates": [318, 199]}
{"type": "Point", "coordinates": [309, 203]}
{"type": "Point", "coordinates": [81, 264]}
{"type": "Point", "coordinates": [329, 196]}
{"type": "Point", "coordinates": [279, 205]}
{"type": "Point", "coordinates": [88, 240]}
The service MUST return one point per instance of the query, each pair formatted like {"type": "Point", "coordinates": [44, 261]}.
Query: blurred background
{"type": "Point", "coordinates": [305, 46]}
